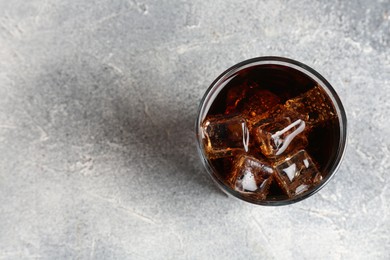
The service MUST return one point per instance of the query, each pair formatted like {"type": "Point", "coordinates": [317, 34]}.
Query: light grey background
{"type": "Point", "coordinates": [97, 150]}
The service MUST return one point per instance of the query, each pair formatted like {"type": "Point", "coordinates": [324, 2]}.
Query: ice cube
{"type": "Point", "coordinates": [235, 95]}
{"type": "Point", "coordinates": [225, 136]}
{"type": "Point", "coordinates": [297, 174]}
{"type": "Point", "coordinates": [249, 99]}
{"type": "Point", "coordinates": [268, 116]}
{"type": "Point", "coordinates": [313, 106]}
{"type": "Point", "coordinates": [260, 103]}
{"type": "Point", "coordinates": [251, 176]}
{"type": "Point", "coordinates": [281, 134]}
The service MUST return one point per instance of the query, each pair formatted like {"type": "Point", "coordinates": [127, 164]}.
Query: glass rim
{"type": "Point", "coordinates": [272, 60]}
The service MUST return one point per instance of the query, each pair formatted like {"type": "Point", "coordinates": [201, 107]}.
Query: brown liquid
{"type": "Point", "coordinates": [253, 93]}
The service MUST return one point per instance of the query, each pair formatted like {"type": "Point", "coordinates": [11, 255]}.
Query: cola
{"type": "Point", "coordinates": [271, 133]}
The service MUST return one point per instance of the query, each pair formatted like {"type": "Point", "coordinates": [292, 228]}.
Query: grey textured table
{"type": "Point", "coordinates": [97, 108]}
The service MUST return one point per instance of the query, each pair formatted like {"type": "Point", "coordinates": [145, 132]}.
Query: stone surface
{"type": "Point", "coordinates": [97, 107]}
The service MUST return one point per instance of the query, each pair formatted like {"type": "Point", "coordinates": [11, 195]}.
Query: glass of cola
{"type": "Point", "coordinates": [271, 131]}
